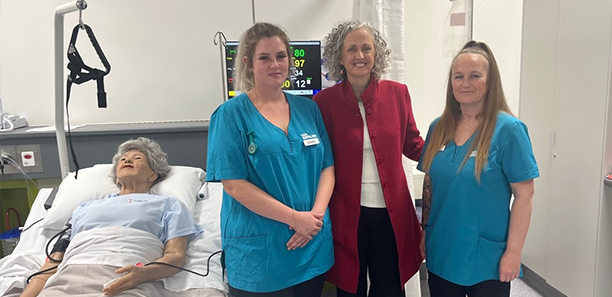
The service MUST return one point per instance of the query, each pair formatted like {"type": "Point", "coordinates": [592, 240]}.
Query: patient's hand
{"type": "Point", "coordinates": [132, 279]}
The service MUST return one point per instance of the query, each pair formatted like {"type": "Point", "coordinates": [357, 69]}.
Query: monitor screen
{"type": "Point", "coordinates": [306, 61]}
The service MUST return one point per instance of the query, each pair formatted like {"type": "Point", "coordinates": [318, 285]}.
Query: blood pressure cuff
{"type": "Point", "coordinates": [61, 245]}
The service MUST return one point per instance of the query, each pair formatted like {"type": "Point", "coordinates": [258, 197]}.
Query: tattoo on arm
{"type": "Point", "coordinates": [427, 193]}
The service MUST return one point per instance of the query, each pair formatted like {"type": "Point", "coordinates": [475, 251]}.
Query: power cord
{"type": "Point", "coordinates": [26, 229]}
{"type": "Point", "coordinates": [152, 263]}
{"type": "Point", "coordinates": [184, 269]}
{"type": "Point", "coordinates": [38, 273]}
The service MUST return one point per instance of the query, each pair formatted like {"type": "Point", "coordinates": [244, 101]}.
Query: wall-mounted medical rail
{"type": "Point", "coordinates": [60, 132]}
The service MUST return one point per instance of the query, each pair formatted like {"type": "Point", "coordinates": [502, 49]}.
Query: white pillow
{"type": "Point", "coordinates": [207, 214]}
{"type": "Point", "coordinates": [94, 182]}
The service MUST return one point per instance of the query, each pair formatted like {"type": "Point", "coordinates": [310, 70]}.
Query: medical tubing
{"type": "Point", "coordinates": [7, 221]}
{"type": "Point", "coordinates": [25, 175]}
{"type": "Point", "coordinates": [39, 272]}
{"type": "Point", "coordinates": [26, 229]}
{"type": "Point", "coordinates": [181, 268]}
{"type": "Point", "coordinates": [49, 243]}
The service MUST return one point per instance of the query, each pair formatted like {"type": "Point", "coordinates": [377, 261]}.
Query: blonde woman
{"type": "Point", "coordinates": [271, 152]}
{"type": "Point", "coordinates": [477, 155]}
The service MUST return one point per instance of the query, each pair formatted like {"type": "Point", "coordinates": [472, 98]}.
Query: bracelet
{"type": "Point", "coordinates": [293, 216]}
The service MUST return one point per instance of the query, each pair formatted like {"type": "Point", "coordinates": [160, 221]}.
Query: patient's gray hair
{"type": "Point", "coordinates": [158, 159]}
{"type": "Point", "coordinates": [332, 54]}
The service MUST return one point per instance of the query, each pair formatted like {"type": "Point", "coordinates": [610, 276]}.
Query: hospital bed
{"type": "Point", "coordinates": [184, 183]}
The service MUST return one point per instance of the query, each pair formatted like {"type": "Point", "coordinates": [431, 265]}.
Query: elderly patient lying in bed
{"type": "Point", "coordinates": [108, 237]}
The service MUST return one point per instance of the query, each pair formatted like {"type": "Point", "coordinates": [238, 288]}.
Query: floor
{"type": "Point", "coordinates": [521, 289]}
{"type": "Point", "coordinates": [518, 288]}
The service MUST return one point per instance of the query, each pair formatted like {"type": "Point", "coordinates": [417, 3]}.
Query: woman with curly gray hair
{"type": "Point", "coordinates": [370, 124]}
{"type": "Point", "coordinates": [148, 228]}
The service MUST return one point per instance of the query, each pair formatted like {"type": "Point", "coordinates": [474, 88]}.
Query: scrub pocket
{"type": "Point", "coordinates": [489, 255]}
{"type": "Point", "coordinates": [247, 258]}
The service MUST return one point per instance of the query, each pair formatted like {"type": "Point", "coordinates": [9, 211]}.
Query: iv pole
{"type": "Point", "coordinates": [220, 40]}
{"type": "Point", "coordinates": [60, 132]}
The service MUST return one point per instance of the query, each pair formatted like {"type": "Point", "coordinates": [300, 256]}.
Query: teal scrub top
{"type": "Point", "coordinates": [242, 144]}
{"type": "Point", "coordinates": [468, 224]}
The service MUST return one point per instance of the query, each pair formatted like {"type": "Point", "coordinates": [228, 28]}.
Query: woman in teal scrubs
{"type": "Point", "coordinates": [271, 151]}
{"type": "Point", "coordinates": [477, 155]}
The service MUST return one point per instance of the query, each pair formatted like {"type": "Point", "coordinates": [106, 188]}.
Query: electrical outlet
{"type": "Point", "coordinates": [28, 157]}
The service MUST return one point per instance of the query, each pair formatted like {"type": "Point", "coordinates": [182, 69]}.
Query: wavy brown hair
{"type": "Point", "coordinates": [494, 103]}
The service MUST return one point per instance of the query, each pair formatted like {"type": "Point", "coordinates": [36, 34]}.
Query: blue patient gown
{"type": "Point", "coordinates": [468, 225]}
{"type": "Point", "coordinates": [242, 144]}
{"type": "Point", "coordinates": [164, 217]}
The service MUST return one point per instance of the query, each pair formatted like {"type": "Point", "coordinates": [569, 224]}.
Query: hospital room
{"type": "Point", "coordinates": [238, 124]}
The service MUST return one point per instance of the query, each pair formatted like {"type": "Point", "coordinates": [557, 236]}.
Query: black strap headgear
{"type": "Point", "coordinates": [76, 65]}
{"type": "Point", "coordinates": [78, 76]}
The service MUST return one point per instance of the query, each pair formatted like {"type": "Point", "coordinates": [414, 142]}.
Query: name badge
{"type": "Point", "coordinates": [311, 141]}
{"type": "Point", "coordinates": [473, 154]}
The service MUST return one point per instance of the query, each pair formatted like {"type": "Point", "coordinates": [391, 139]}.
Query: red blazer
{"type": "Point", "coordinates": [393, 132]}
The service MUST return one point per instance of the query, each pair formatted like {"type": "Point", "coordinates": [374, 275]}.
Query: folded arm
{"type": "Point", "coordinates": [324, 192]}
{"type": "Point", "coordinates": [174, 254]}
{"type": "Point", "coordinates": [259, 202]}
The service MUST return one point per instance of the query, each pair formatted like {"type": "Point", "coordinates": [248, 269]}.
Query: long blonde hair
{"type": "Point", "coordinates": [244, 79]}
{"type": "Point", "coordinates": [494, 102]}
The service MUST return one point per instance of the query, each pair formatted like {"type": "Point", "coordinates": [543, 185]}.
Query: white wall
{"type": "Point", "coordinates": [498, 23]}
{"type": "Point", "coordinates": [165, 66]}
{"type": "Point", "coordinates": [581, 97]}
{"type": "Point", "coordinates": [164, 63]}
{"type": "Point", "coordinates": [426, 67]}
{"type": "Point", "coordinates": [538, 89]}
{"type": "Point", "coordinates": [567, 78]}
